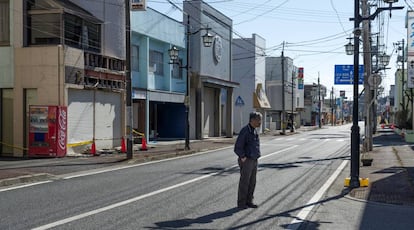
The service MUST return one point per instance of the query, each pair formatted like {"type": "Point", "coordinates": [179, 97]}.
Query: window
{"type": "Point", "coordinates": [73, 29]}
{"type": "Point", "coordinates": [46, 25]}
{"type": "Point", "coordinates": [82, 34]}
{"type": "Point", "coordinates": [177, 71]}
{"type": "Point", "coordinates": [135, 58]}
{"type": "Point", "coordinates": [91, 36]}
{"type": "Point", "coordinates": [156, 61]}
{"type": "Point", "coordinates": [4, 22]}
{"type": "Point", "coordinates": [44, 29]}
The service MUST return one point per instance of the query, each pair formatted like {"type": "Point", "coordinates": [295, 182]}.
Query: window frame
{"type": "Point", "coordinates": [135, 58]}
{"type": "Point", "coordinates": [158, 60]}
{"type": "Point", "coordinates": [5, 21]}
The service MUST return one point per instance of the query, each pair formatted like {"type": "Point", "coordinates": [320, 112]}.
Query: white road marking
{"type": "Point", "coordinates": [25, 185]}
{"type": "Point", "coordinates": [93, 172]}
{"type": "Point", "coordinates": [125, 202]}
{"type": "Point", "coordinates": [303, 214]}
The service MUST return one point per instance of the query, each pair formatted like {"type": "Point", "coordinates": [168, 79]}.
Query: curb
{"type": "Point", "coordinates": [26, 179]}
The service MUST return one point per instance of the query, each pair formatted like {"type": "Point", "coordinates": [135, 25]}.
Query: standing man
{"type": "Point", "coordinates": [247, 148]}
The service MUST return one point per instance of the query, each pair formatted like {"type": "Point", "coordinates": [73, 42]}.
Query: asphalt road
{"type": "Point", "coordinates": [193, 192]}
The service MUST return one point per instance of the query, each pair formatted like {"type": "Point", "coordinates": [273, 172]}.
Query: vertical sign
{"type": "Point", "coordinates": [138, 4]}
{"type": "Point", "coordinates": [410, 32]}
{"type": "Point", "coordinates": [300, 78]}
{"type": "Point", "coordinates": [410, 49]}
{"type": "Point", "coordinates": [410, 72]}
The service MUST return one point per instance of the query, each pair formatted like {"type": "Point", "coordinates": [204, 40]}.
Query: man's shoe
{"type": "Point", "coordinates": [242, 206]}
{"type": "Point", "coordinates": [251, 205]}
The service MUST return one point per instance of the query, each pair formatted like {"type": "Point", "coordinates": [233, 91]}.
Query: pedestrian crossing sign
{"type": "Point", "coordinates": [239, 101]}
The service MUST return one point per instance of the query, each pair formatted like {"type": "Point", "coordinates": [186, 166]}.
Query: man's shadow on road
{"type": "Point", "coordinates": [177, 224]}
{"type": "Point", "coordinates": [183, 223]}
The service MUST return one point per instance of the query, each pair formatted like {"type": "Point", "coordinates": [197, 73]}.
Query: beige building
{"type": "Point", "coordinates": [55, 52]}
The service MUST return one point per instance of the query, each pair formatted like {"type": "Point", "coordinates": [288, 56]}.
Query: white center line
{"type": "Point", "coordinates": [125, 202]}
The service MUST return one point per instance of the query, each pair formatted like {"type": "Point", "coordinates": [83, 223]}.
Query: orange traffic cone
{"type": "Point", "coordinates": [123, 147]}
{"type": "Point", "coordinates": [93, 148]}
{"type": "Point", "coordinates": [143, 144]}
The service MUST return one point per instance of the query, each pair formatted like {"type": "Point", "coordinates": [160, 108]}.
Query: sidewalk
{"type": "Point", "coordinates": [391, 175]}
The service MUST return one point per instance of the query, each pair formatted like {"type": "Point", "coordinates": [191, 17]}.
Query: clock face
{"type": "Point", "coordinates": [218, 48]}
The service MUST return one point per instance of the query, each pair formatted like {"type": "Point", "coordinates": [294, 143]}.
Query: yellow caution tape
{"type": "Point", "coordinates": [141, 134]}
{"type": "Point", "coordinates": [79, 143]}
{"type": "Point", "coordinates": [12, 146]}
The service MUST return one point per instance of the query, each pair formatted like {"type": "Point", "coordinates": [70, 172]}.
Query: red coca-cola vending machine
{"type": "Point", "coordinates": [48, 131]}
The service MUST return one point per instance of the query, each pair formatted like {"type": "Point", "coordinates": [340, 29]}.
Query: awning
{"type": "Point", "coordinates": [218, 83]}
{"type": "Point", "coordinates": [260, 100]}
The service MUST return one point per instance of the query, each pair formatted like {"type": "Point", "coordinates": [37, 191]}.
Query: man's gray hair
{"type": "Point", "coordinates": [255, 115]}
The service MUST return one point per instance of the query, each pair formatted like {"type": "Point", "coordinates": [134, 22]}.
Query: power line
{"type": "Point", "coordinates": [337, 15]}
{"type": "Point", "coordinates": [266, 12]}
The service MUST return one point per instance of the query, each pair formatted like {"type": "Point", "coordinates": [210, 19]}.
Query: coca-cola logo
{"type": "Point", "coordinates": [62, 129]}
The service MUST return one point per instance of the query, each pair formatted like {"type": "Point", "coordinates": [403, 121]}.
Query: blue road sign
{"type": "Point", "coordinates": [344, 74]}
{"type": "Point", "coordinates": [239, 101]}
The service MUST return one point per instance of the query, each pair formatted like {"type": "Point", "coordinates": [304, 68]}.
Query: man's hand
{"type": "Point", "coordinates": [243, 159]}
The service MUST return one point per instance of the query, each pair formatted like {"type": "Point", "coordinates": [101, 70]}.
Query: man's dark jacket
{"type": "Point", "coordinates": [248, 143]}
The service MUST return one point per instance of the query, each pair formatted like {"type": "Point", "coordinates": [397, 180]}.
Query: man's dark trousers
{"type": "Point", "coordinates": [247, 183]}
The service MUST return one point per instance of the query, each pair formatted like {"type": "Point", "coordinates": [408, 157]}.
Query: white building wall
{"type": "Point", "coordinates": [274, 82]}
{"type": "Point", "coordinates": [249, 70]}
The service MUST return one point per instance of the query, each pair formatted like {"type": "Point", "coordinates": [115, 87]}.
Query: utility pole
{"type": "Point", "coordinates": [187, 92]}
{"type": "Point", "coordinates": [335, 110]}
{"type": "Point", "coordinates": [292, 129]}
{"type": "Point", "coordinates": [283, 89]}
{"type": "Point", "coordinates": [366, 28]}
{"type": "Point", "coordinates": [319, 102]}
{"type": "Point", "coordinates": [128, 80]}
{"type": "Point", "coordinates": [374, 109]}
{"type": "Point", "coordinates": [332, 106]}
{"type": "Point", "coordinates": [403, 74]}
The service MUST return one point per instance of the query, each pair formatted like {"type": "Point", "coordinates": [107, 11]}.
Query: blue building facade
{"type": "Point", "coordinates": [158, 87]}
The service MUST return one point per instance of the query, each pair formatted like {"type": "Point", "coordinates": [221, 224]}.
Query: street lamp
{"type": "Point", "coordinates": [207, 38]}
{"type": "Point", "coordinates": [173, 52]}
{"type": "Point", "coordinates": [384, 59]}
{"type": "Point", "coordinates": [349, 48]}
{"type": "Point", "coordinates": [354, 180]}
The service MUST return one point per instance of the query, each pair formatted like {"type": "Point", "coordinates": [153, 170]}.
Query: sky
{"type": "Point", "coordinates": [314, 32]}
